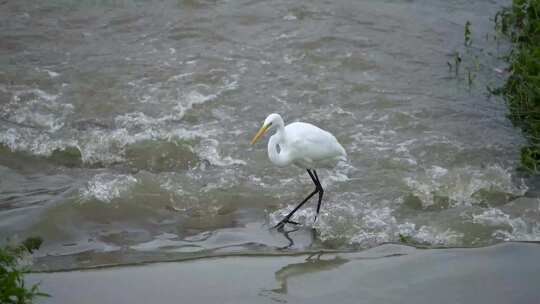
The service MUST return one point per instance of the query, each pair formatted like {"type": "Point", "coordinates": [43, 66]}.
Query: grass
{"type": "Point", "coordinates": [406, 239]}
{"type": "Point", "coordinates": [520, 23]}
{"type": "Point", "coordinates": [13, 289]}
{"type": "Point", "coordinates": [467, 57]}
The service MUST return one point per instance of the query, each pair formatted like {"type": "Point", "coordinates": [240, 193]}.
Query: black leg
{"type": "Point", "coordinates": [316, 177]}
{"type": "Point", "coordinates": [286, 235]}
{"type": "Point", "coordinates": [321, 192]}
{"type": "Point", "coordinates": [288, 217]}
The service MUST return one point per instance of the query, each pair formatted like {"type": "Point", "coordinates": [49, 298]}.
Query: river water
{"type": "Point", "coordinates": [125, 127]}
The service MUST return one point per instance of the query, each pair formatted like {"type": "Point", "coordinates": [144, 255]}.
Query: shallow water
{"type": "Point", "coordinates": [125, 127]}
{"type": "Point", "coordinates": [385, 274]}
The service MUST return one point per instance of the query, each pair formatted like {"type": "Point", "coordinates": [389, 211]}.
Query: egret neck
{"type": "Point", "coordinates": [278, 155]}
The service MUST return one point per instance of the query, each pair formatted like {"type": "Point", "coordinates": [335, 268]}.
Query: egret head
{"type": "Point", "coordinates": [273, 120]}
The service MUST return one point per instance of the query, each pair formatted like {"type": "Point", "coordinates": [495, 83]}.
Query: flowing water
{"type": "Point", "coordinates": [125, 127]}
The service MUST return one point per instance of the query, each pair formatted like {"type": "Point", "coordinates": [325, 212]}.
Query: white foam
{"type": "Point", "coordinates": [374, 227]}
{"type": "Point", "coordinates": [193, 98]}
{"type": "Point", "coordinates": [492, 217]}
{"type": "Point", "coordinates": [460, 184]}
{"type": "Point", "coordinates": [208, 149]}
{"type": "Point", "coordinates": [134, 119]}
{"type": "Point", "coordinates": [52, 74]}
{"type": "Point", "coordinates": [37, 108]}
{"type": "Point", "coordinates": [42, 111]}
{"type": "Point", "coordinates": [290, 17]}
{"type": "Point", "coordinates": [520, 231]}
{"type": "Point", "coordinates": [102, 146]}
{"type": "Point", "coordinates": [105, 187]}
{"type": "Point", "coordinates": [509, 229]}
{"type": "Point", "coordinates": [179, 76]}
{"type": "Point", "coordinates": [366, 225]}
{"type": "Point", "coordinates": [17, 139]}
{"type": "Point", "coordinates": [435, 236]}
{"type": "Point", "coordinates": [288, 59]}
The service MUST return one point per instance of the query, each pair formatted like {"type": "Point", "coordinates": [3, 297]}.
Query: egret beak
{"type": "Point", "coordinates": [262, 130]}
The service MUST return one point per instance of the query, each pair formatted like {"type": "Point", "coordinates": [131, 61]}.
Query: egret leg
{"type": "Point", "coordinates": [321, 192]}
{"type": "Point", "coordinates": [287, 218]}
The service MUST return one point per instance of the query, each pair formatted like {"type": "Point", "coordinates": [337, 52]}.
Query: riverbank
{"type": "Point", "coordinates": [504, 273]}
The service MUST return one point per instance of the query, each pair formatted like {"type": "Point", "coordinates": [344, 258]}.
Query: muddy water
{"type": "Point", "coordinates": [125, 127]}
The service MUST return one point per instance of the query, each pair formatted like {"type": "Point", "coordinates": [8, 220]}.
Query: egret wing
{"type": "Point", "coordinates": [311, 142]}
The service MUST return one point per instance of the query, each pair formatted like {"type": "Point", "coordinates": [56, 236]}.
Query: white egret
{"type": "Point", "coordinates": [303, 145]}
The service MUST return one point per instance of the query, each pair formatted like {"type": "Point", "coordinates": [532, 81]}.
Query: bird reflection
{"type": "Point", "coordinates": [313, 263]}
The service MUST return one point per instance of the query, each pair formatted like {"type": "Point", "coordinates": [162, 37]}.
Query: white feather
{"type": "Point", "coordinates": [302, 144]}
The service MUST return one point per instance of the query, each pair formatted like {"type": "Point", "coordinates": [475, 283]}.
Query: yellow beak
{"type": "Point", "coordinates": [262, 130]}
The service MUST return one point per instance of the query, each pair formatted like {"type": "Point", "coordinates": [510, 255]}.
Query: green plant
{"type": "Point", "coordinates": [406, 239]}
{"type": "Point", "coordinates": [529, 157]}
{"type": "Point", "coordinates": [13, 289]}
{"type": "Point", "coordinates": [467, 34]}
{"type": "Point", "coordinates": [457, 62]}
{"type": "Point", "coordinates": [520, 23]}
{"type": "Point", "coordinates": [470, 61]}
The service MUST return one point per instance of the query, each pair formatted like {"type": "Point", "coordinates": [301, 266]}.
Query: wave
{"type": "Point", "coordinates": [42, 124]}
